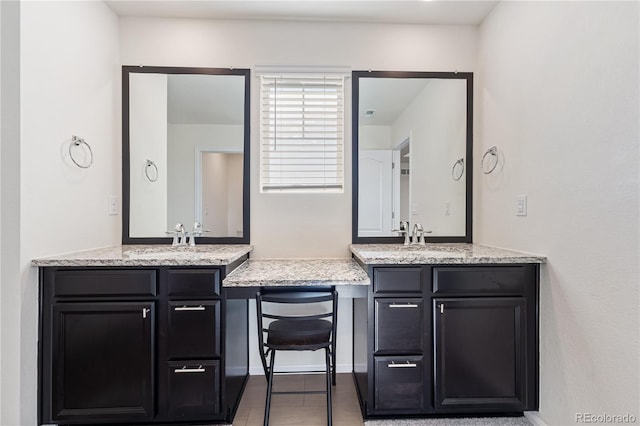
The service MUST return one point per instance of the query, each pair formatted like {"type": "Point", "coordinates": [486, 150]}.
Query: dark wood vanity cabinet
{"type": "Point", "coordinates": [102, 360]}
{"type": "Point", "coordinates": [448, 339]}
{"type": "Point", "coordinates": [138, 345]}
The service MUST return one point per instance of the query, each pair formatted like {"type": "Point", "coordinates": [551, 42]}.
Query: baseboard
{"type": "Point", "coordinates": [340, 368]}
{"type": "Point", "coordinates": [534, 418]}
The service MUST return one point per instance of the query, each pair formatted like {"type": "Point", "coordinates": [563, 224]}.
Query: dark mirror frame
{"type": "Point", "coordinates": [355, 85]}
{"type": "Point", "coordinates": [128, 69]}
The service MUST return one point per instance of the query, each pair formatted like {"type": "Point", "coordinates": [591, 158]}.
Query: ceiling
{"type": "Point", "coordinates": [443, 12]}
{"type": "Point", "coordinates": [388, 97]}
{"type": "Point", "coordinates": [205, 99]}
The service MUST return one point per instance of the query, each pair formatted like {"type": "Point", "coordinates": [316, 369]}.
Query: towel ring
{"type": "Point", "coordinates": [150, 164]}
{"type": "Point", "coordinates": [493, 151]}
{"type": "Point", "coordinates": [454, 175]}
{"type": "Point", "coordinates": [76, 141]}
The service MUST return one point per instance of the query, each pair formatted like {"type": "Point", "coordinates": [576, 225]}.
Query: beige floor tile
{"type": "Point", "coordinates": [299, 410]}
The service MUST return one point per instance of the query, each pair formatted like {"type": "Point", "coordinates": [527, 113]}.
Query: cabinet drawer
{"type": "Point", "coordinates": [397, 280]}
{"type": "Point", "coordinates": [399, 383]}
{"type": "Point", "coordinates": [193, 282]}
{"type": "Point", "coordinates": [399, 325]}
{"type": "Point", "coordinates": [104, 282]}
{"type": "Point", "coordinates": [193, 330]}
{"type": "Point", "coordinates": [193, 389]}
{"type": "Point", "coordinates": [485, 279]}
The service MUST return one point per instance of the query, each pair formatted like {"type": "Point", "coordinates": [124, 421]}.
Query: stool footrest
{"type": "Point", "coordinates": [297, 392]}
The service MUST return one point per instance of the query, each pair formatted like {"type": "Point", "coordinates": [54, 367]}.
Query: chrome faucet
{"type": "Point", "coordinates": [196, 232]}
{"type": "Point", "coordinates": [418, 234]}
{"type": "Point", "coordinates": [404, 230]}
{"type": "Point", "coordinates": [179, 235]}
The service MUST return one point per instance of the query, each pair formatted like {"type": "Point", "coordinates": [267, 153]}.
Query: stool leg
{"type": "Point", "coordinates": [329, 380]}
{"type": "Point", "coordinates": [333, 364]}
{"type": "Point", "coordinates": [267, 405]}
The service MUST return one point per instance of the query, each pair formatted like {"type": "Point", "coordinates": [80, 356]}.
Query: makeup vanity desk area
{"type": "Point", "coordinates": [159, 335]}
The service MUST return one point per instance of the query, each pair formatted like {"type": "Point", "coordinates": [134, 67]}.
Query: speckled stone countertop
{"type": "Point", "coordinates": [150, 255]}
{"type": "Point", "coordinates": [451, 253]}
{"type": "Point", "coordinates": [296, 272]}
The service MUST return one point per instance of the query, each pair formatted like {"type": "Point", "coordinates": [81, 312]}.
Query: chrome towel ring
{"type": "Point", "coordinates": [78, 142]}
{"type": "Point", "coordinates": [454, 175]}
{"type": "Point", "coordinates": [151, 165]}
{"type": "Point", "coordinates": [493, 152]}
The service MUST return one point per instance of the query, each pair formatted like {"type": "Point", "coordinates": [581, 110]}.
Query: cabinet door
{"type": "Point", "coordinates": [480, 353]}
{"type": "Point", "coordinates": [102, 361]}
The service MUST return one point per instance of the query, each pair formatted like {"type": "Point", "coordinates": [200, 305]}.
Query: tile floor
{"type": "Point", "coordinates": [310, 410]}
{"type": "Point", "coordinates": [299, 410]}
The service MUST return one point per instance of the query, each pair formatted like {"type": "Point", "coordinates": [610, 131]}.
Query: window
{"type": "Point", "coordinates": [302, 133]}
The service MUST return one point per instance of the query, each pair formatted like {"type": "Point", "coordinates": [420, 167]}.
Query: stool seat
{"type": "Point", "coordinates": [299, 335]}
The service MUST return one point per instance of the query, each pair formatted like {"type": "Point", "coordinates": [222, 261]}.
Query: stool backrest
{"type": "Point", "coordinates": [303, 298]}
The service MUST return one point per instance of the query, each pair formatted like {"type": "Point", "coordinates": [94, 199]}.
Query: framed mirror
{"type": "Point", "coordinates": [412, 155]}
{"type": "Point", "coordinates": [185, 153]}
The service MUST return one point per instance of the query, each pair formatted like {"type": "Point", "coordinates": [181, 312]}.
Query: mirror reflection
{"type": "Point", "coordinates": [186, 153]}
{"type": "Point", "coordinates": [411, 133]}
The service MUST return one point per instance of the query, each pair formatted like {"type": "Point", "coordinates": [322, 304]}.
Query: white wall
{"type": "Point", "coordinates": [374, 137]}
{"type": "Point", "coordinates": [214, 194]}
{"type": "Point", "coordinates": [298, 225]}
{"type": "Point", "coordinates": [183, 142]}
{"type": "Point", "coordinates": [559, 94]}
{"type": "Point", "coordinates": [69, 85]}
{"type": "Point", "coordinates": [10, 288]}
{"type": "Point", "coordinates": [148, 141]}
{"type": "Point", "coordinates": [436, 122]}
{"type": "Point", "coordinates": [235, 166]}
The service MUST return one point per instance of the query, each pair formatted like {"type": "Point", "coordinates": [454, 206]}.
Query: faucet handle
{"type": "Point", "coordinates": [421, 240]}
{"type": "Point", "coordinates": [197, 231]}
{"type": "Point", "coordinates": [175, 234]}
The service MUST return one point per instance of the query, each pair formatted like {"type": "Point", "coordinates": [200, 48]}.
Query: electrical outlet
{"type": "Point", "coordinates": [112, 205]}
{"type": "Point", "coordinates": [447, 208]}
{"type": "Point", "coordinates": [521, 205]}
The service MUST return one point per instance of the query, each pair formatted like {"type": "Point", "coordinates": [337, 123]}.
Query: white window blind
{"type": "Point", "coordinates": [302, 133]}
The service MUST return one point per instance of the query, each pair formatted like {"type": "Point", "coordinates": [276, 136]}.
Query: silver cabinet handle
{"type": "Point", "coordinates": [145, 311]}
{"type": "Point", "coordinates": [189, 308]}
{"type": "Point", "coordinates": [189, 370]}
{"type": "Point", "coordinates": [442, 308]}
{"type": "Point", "coordinates": [405, 365]}
{"type": "Point", "coordinates": [406, 305]}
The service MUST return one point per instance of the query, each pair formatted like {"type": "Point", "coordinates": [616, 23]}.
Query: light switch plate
{"type": "Point", "coordinates": [112, 205]}
{"type": "Point", "coordinates": [521, 205]}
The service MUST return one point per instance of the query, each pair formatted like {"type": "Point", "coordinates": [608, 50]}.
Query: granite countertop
{"type": "Point", "coordinates": [296, 272]}
{"type": "Point", "coordinates": [450, 253]}
{"type": "Point", "coordinates": [150, 255]}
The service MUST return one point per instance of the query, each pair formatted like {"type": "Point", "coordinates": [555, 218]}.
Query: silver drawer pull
{"type": "Point", "coordinates": [189, 308]}
{"type": "Point", "coordinates": [406, 305]}
{"type": "Point", "coordinates": [189, 370]}
{"type": "Point", "coordinates": [405, 365]}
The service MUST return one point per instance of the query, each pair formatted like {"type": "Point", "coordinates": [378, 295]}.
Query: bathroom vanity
{"type": "Point", "coordinates": [446, 329]}
{"type": "Point", "coordinates": [159, 335]}
{"type": "Point", "coordinates": [141, 334]}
